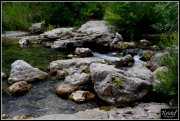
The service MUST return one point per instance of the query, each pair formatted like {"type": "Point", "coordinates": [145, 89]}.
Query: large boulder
{"type": "Point", "coordinates": [90, 33]}
{"type": "Point", "coordinates": [101, 27]}
{"type": "Point", "coordinates": [83, 52]}
{"type": "Point", "coordinates": [22, 71]}
{"type": "Point", "coordinates": [119, 87]}
{"type": "Point", "coordinates": [75, 41]}
{"type": "Point", "coordinates": [58, 33]}
{"type": "Point", "coordinates": [36, 28]}
{"type": "Point", "coordinates": [19, 87]}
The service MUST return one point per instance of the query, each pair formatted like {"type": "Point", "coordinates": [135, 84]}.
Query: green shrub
{"type": "Point", "coordinates": [19, 15]}
{"type": "Point", "coordinates": [169, 85]}
{"type": "Point", "coordinates": [118, 82]}
{"type": "Point", "coordinates": [130, 18]}
{"type": "Point", "coordinates": [71, 13]}
{"type": "Point", "coordinates": [50, 27]}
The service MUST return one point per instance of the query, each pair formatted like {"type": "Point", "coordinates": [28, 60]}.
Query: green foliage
{"type": "Point", "coordinates": [118, 82]}
{"type": "Point", "coordinates": [136, 18]}
{"type": "Point", "coordinates": [167, 17]}
{"type": "Point", "coordinates": [18, 15]}
{"type": "Point", "coordinates": [130, 18]}
{"type": "Point", "coordinates": [71, 13]}
{"type": "Point", "coordinates": [50, 27]}
{"type": "Point", "coordinates": [169, 85]}
{"type": "Point", "coordinates": [167, 40]}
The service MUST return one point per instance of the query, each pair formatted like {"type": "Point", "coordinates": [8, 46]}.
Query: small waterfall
{"type": "Point", "coordinates": [113, 58]}
{"type": "Point", "coordinates": [106, 57]}
{"type": "Point", "coordinates": [137, 60]}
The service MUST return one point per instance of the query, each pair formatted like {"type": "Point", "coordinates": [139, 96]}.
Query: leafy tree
{"type": "Point", "coordinates": [167, 17]}
{"type": "Point", "coordinates": [131, 18]}
{"type": "Point", "coordinates": [169, 85]}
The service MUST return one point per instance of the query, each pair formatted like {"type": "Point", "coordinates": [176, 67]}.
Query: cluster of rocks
{"type": "Point", "coordinates": [141, 111]}
{"type": "Point", "coordinates": [83, 78]}
{"type": "Point", "coordinates": [92, 32]}
{"type": "Point", "coordinates": [21, 75]}
{"type": "Point", "coordinates": [18, 117]}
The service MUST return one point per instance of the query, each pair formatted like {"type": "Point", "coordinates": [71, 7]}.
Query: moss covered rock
{"type": "Point", "coordinates": [147, 55]}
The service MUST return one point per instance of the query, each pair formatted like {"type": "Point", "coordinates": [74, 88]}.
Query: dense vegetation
{"type": "Point", "coordinates": [169, 85]}
{"type": "Point", "coordinates": [128, 18]}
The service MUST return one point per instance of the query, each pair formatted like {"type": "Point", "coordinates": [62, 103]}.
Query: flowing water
{"type": "Point", "coordinates": [115, 58]}
{"type": "Point", "coordinates": [41, 99]}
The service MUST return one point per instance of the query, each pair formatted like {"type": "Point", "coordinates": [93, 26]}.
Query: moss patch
{"type": "Point", "coordinates": [118, 82]}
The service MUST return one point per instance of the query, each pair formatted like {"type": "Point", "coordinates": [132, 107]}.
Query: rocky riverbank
{"type": "Point", "coordinates": [117, 81]}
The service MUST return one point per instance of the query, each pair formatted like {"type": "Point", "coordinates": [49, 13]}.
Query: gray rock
{"type": "Point", "coordinates": [141, 111]}
{"type": "Point", "coordinates": [144, 42]}
{"type": "Point", "coordinates": [81, 96]}
{"type": "Point", "coordinates": [75, 62]}
{"type": "Point", "coordinates": [157, 57]}
{"type": "Point", "coordinates": [61, 74]}
{"type": "Point", "coordinates": [65, 89]}
{"type": "Point", "coordinates": [47, 44]}
{"type": "Point", "coordinates": [75, 42]}
{"type": "Point", "coordinates": [3, 75]}
{"type": "Point", "coordinates": [101, 27]}
{"type": "Point", "coordinates": [83, 52]}
{"type": "Point", "coordinates": [124, 45]}
{"type": "Point", "coordinates": [147, 55]}
{"type": "Point", "coordinates": [72, 83]}
{"type": "Point", "coordinates": [119, 87]}
{"type": "Point", "coordinates": [19, 87]}
{"type": "Point", "coordinates": [77, 79]}
{"type": "Point", "coordinates": [155, 47]}
{"type": "Point", "coordinates": [22, 71]}
{"type": "Point", "coordinates": [13, 34]}
{"type": "Point", "coordinates": [70, 56]}
{"type": "Point", "coordinates": [57, 33]}
{"type": "Point", "coordinates": [127, 60]}
{"type": "Point", "coordinates": [36, 28]}
{"type": "Point", "coordinates": [117, 39]}
{"type": "Point", "coordinates": [24, 41]}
